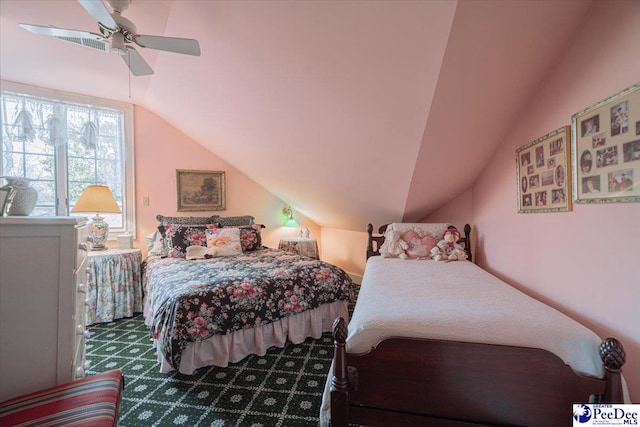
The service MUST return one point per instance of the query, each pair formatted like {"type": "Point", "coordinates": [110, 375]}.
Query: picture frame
{"type": "Point", "coordinates": [606, 149]}
{"type": "Point", "coordinates": [200, 190]}
{"type": "Point", "coordinates": [542, 171]}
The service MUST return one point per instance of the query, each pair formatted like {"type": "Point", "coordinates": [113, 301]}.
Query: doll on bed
{"type": "Point", "coordinates": [447, 249]}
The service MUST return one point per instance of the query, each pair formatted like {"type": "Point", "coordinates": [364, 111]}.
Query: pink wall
{"type": "Point", "coordinates": [584, 262]}
{"type": "Point", "coordinates": [160, 149]}
{"type": "Point", "coordinates": [581, 262]}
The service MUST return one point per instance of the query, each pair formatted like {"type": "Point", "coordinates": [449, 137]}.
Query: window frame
{"type": "Point", "coordinates": [127, 160]}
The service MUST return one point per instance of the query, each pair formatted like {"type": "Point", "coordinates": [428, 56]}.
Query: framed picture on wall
{"type": "Point", "coordinates": [606, 149]}
{"type": "Point", "coordinates": [542, 170]}
{"type": "Point", "coordinates": [200, 190]}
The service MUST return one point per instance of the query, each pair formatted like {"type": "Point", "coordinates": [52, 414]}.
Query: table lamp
{"type": "Point", "coordinates": [97, 198]}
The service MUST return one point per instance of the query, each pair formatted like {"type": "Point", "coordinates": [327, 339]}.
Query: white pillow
{"type": "Point", "coordinates": [223, 242]}
{"type": "Point", "coordinates": [196, 252]}
{"type": "Point", "coordinates": [154, 243]}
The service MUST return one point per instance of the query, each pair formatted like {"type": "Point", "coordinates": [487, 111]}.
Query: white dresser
{"type": "Point", "coordinates": [43, 274]}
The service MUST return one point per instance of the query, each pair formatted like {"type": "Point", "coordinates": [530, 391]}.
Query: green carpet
{"type": "Point", "coordinates": [282, 388]}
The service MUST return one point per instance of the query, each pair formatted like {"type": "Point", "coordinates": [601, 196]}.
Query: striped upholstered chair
{"type": "Point", "coordinates": [92, 401]}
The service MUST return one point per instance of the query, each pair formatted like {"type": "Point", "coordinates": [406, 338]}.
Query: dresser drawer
{"type": "Point", "coordinates": [83, 245]}
{"type": "Point", "coordinates": [80, 291]}
{"type": "Point", "coordinates": [79, 364]}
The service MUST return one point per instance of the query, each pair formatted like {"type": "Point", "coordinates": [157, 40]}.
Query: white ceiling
{"type": "Point", "coordinates": [351, 111]}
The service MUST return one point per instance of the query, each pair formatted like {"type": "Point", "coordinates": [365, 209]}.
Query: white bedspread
{"type": "Point", "coordinates": [459, 301]}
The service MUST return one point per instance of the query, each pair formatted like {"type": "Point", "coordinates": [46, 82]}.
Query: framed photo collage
{"type": "Point", "coordinates": [595, 160]}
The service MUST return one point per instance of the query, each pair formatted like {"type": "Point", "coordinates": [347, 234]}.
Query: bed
{"type": "Point", "coordinates": [448, 344]}
{"type": "Point", "coordinates": [218, 309]}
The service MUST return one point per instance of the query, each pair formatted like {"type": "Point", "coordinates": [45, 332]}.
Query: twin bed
{"type": "Point", "coordinates": [210, 311]}
{"type": "Point", "coordinates": [448, 344]}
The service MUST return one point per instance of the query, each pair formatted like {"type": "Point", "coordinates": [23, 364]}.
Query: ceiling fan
{"type": "Point", "coordinates": [117, 34]}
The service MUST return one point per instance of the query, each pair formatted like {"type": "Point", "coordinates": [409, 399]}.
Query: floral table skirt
{"type": "Point", "coordinates": [114, 288]}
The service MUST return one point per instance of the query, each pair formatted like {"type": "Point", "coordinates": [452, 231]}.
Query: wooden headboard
{"type": "Point", "coordinates": [374, 242]}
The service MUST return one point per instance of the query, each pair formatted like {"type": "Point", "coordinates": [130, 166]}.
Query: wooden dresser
{"type": "Point", "coordinates": [43, 275]}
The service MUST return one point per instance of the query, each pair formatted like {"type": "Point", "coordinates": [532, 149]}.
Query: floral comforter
{"type": "Point", "coordinates": [193, 300]}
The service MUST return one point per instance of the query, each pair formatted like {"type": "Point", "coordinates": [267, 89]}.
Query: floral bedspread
{"type": "Point", "coordinates": [194, 300]}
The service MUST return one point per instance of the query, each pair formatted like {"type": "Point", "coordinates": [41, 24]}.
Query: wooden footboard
{"type": "Point", "coordinates": [428, 382]}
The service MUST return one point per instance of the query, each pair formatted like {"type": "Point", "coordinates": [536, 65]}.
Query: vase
{"type": "Point", "coordinates": [24, 197]}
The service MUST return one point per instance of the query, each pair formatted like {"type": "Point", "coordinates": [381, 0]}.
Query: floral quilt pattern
{"type": "Point", "coordinates": [194, 300]}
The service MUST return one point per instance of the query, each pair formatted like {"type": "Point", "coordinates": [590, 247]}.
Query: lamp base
{"type": "Point", "coordinates": [98, 233]}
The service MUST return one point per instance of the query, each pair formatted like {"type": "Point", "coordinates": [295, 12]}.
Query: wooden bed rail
{"type": "Point", "coordinates": [373, 250]}
{"type": "Point", "coordinates": [545, 382]}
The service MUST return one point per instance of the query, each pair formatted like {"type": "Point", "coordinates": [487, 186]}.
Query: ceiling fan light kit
{"type": "Point", "coordinates": [117, 35]}
{"type": "Point", "coordinates": [117, 44]}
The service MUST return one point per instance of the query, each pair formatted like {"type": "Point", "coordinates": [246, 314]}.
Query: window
{"type": "Point", "coordinates": [64, 142]}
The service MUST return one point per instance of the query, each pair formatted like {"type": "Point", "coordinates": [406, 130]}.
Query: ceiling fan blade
{"type": "Point", "coordinates": [169, 44]}
{"type": "Point", "coordinates": [50, 30]}
{"type": "Point", "coordinates": [82, 38]}
{"type": "Point", "coordinates": [136, 63]}
{"type": "Point", "coordinates": [100, 13]}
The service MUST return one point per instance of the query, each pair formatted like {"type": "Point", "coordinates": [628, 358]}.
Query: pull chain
{"type": "Point", "coordinates": [129, 62]}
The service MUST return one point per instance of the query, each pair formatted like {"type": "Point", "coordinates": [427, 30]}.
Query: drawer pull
{"type": "Point", "coordinates": [83, 247]}
{"type": "Point", "coordinates": [81, 330]}
{"type": "Point", "coordinates": [82, 288]}
{"type": "Point", "coordinates": [79, 372]}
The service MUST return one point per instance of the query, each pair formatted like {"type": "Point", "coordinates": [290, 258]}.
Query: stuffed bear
{"type": "Point", "coordinates": [448, 249]}
{"type": "Point", "coordinates": [394, 246]}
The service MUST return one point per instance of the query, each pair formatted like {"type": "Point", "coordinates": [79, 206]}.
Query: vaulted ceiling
{"type": "Point", "coordinates": [351, 111]}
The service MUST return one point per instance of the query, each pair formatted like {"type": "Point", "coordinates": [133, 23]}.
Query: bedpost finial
{"type": "Point", "coordinates": [340, 330]}
{"type": "Point", "coordinates": [612, 354]}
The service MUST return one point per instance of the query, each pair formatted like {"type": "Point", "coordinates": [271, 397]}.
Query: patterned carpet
{"type": "Point", "coordinates": [282, 388]}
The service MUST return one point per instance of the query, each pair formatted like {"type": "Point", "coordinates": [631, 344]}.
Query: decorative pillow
{"type": "Point", "coordinates": [234, 221]}
{"type": "Point", "coordinates": [394, 246]}
{"type": "Point", "coordinates": [178, 237]}
{"type": "Point", "coordinates": [250, 238]}
{"type": "Point", "coordinates": [187, 220]}
{"type": "Point", "coordinates": [418, 247]}
{"type": "Point", "coordinates": [433, 229]}
{"type": "Point", "coordinates": [223, 242]}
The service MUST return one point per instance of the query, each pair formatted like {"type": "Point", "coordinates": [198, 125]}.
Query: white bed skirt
{"type": "Point", "coordinates": [220, 350]}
